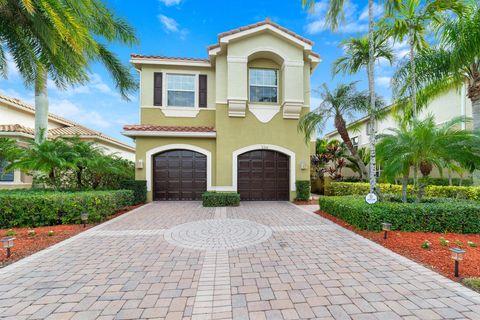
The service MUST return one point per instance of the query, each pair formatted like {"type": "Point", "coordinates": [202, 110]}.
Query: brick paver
{"type": "Point", "coordinates": [297, 266]}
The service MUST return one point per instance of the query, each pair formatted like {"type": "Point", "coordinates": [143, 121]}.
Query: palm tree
{"type": "Point", "coordinates": [425, 145]}
{"type": "Point", "coordinates": [356, 55]}
{"type": "Point", "coordinates": [341, 104]}
{"type": "Point", "coordinates": [87, 153]}
{"type": "Point", "coordinates": [60, 40]}
{"type": "Point", "coordinates": [354, 165]}
{"type": "Point", "coordinates": [410, 20]}
{"type": "Point", "coordinates": [334, 17]}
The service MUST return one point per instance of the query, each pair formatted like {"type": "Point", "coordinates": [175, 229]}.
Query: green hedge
{"type": "Point", "coordinates": [139, 187]}
{"type": "Point", "coordinates": [303, 190]}
{"type": "Point", "coordinates": [354, 188]}
{"type": "Point", "coordinates": [32, 208]}
{"type": "Point", "coordinates": [221, 199]}
{"type": "Point", "coordinates": [445, 215]}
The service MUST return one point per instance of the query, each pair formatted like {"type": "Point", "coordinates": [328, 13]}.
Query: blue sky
{"type": "Point", "coordinates": [184, 28]}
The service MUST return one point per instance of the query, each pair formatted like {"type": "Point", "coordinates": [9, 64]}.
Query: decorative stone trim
{"type": "Point", "coordinates": [291, 110]}
{"type": "Point", "coordinates": [264, 113]}
{"type": "Point", "coordinates": [236, 108]}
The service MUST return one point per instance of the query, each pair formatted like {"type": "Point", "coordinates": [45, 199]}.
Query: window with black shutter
{"type": "Point", "coordinates": [202, 90]}
{"type": "Point", "coordinates": [157, 88]}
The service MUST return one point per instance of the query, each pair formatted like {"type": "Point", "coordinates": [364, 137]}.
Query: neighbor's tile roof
{"type": "Point", "coordinates": [258, 24]}
{"type": "Point", "coordinates": [141, 56]}
{"type": "Point", "coordinates": [151, 127]}
{"type": "Point", "coordinates": [70, 128]}
{"type": "Point", "coordinates": [16, 128]}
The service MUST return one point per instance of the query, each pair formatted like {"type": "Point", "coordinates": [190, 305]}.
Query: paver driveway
{"type": "Point", "coordinates": [257, 261]}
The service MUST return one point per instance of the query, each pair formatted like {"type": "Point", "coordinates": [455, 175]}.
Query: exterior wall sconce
{"type": "Point", "coordinates": [303, 165]}
{"type": "Point", "coordinates": [8, 244]}
{"type": "Point", "coordinates": [457, 255]}
{"type": "Point", "coordinates": [139, 164]}
{"type": "Point", "coordinates": [386, 227]}
{"type": "Point", "coordinates": [84, 218]}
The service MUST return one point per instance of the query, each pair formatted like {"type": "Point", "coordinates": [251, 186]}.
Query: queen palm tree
{"type": "Point", "coordinates": [341, 104]}
{"type": "Point", "coordinates": [410, 20]}
{"type": "Point", "coordinates": [334, 17]}
{"type": "Point", "coordinates": [59, 40]}
{"type": "Point", "coordinates": [425, 145]}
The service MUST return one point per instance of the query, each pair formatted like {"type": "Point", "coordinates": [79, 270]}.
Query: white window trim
{"type": "Point", "coordinates": [149, 161]}
{"type": "Point", "coordinates": [277, 72]}
{"type": "Point", "coordinates": [165, 90]}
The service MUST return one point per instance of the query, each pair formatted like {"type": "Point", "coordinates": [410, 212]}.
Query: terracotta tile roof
{"type": "Point", "coordinates": [70, 128]}
{"type": "Point", "coordinates": [19, 103]}
{"type": "Point", "coordinates": [151, 127]}
{"type": "Point", "coordinates": [140, 56]}
{"type": "Point", "coordinates": [258, 24]}
{"type": "Point", "coordinates": [16, 128]}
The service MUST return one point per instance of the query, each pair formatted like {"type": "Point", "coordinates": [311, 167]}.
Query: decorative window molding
{"type": "Point", "coordinates": [149, 163]}
{"type": "Point", "coordinates": [292, 110]}
{"type": "Point", "coordinates": [264, 113]}
{"type": "Point", "coordinates": [236, 108]}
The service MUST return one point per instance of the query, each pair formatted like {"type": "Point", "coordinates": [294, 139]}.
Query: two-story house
{"type": "Point", "coordinates": [229, 122]}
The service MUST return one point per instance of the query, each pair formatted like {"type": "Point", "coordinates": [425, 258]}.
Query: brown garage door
{"type": "Point", "coordinates": [179, 175]}
{"type": "Point", "coordinates": [263, 175]}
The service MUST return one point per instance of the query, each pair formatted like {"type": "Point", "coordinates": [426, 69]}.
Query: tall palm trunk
{"type": "Point", "coordinates": [41, 105]}
{"type": "Point", "coordinates": [414, 76]}
{"type": "Point", "coordinates": [474, 96]}
{"type": "Point", "coordinates": [371, 88]}
{"type": "Point", "coordinates": [341, 127]}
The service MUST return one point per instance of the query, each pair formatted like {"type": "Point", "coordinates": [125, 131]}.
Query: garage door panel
{"type": "Point", "coordinates": [263, 175]}
{"type": "Point", "coordinates": [179, 175]}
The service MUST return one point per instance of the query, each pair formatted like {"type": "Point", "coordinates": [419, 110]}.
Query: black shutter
{"type": "Point", "coordinates": [157, 89]}
{"type": "Point", "coordinates": [202, 90]}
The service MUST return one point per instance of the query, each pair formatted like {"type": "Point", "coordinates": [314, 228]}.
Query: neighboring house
{"type": "Point", "coordinates": [229, 122]}
{"type": "Point", "coordinates": [17, 121]}
{"type": "Point", "coordinates": [453, 104]}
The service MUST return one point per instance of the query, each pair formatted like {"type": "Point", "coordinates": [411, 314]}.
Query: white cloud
{"type": "Point", "coordinates": [400, 49]}
{"type": "Point", "coordinates": [383, 81]}
{"type": "Point", "coordinates": [95, 86]}
{"type": "Point", "coordinates": [169, 24]}
{"type": "Point", "coordinates": [170, 3]}
{"type": "Point", "coordinates": [70, 110]}
{"type": "Point", "coordinates": [351, 24]}
{"type": "Point", "coordinates": [377, 12]}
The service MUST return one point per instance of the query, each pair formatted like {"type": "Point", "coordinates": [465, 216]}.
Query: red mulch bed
{"type": "Point", "coordinates": [26, 245]}
{"type": "Point", "coordinates": [437, 258]}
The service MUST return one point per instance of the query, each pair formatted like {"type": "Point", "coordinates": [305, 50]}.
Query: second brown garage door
{"type": "Point", "coordinates": [179, 175]}
{"type": "Point", "coordinates": [263, 175]}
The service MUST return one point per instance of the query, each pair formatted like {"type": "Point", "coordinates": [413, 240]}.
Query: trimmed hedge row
{"type": "Point", "coordinates": [303, 190]}
{"type": "Point", "coordinates": [139, 187]}
{"type": "Point", "coordinates": [32, 208]}
{"type": "Point", "coordinates": [444, 215]}
{"type": "Point", "coordinates": [221, 199]}
{"type": "Point", "coordinates": [354, 188]}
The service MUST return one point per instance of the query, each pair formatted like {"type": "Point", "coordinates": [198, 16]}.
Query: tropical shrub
{"type": "Point", "coordinates": [139, 187]}
{"type": "Point", "coordinates": [33, 208]}
{"type": "Point", "coordinates": [353, 188]}
{"type": "Point", "coordinates": [458, 216]}
{"type": "Point", "coordinates": [221, 199]}
{"type": "Point", "coordinates": [303, 190]}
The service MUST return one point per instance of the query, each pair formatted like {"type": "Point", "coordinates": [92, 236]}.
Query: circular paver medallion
{"type": "Point", "coordinates": [218, 234]}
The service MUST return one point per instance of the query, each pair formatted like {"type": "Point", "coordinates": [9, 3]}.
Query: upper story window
{"type": "Point", "coordinates": [5, 177]}
{"type": "Point", "coordinates": [181, 90]}
{"type": "Point", "coordinates": [263, 85]}
{"type": "Point", "coordinates": [355, 142]}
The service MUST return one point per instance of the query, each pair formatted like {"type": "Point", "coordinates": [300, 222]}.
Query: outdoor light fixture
{"type": "Point", "coordinates": [303, 165]}
{"type": "Point", "coordinates": [457, 255]}
{"type": "Point", "coordinates": [84, 218]}
{"type": "Point", "coordinates": [7, 244]}
{"type": "Point", "coordinates": [386, 227]}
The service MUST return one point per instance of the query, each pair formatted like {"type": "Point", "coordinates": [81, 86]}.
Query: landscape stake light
{"type": "Point", "coordinates": [386, 227]}
{"type": "Point", "coordinates": [7, 244]}
{"type": "Point", "coordinates": [457, 255]}
{"type": "Point", "coordinates": [84, 218]}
